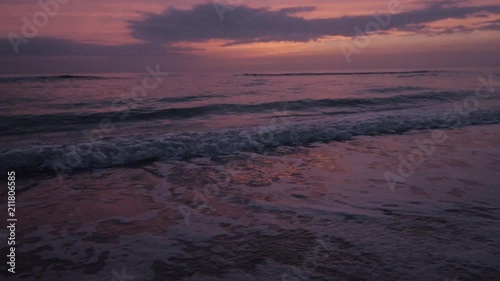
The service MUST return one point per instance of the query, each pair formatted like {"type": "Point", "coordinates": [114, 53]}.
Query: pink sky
{"type": "Point", "coordinates": [250, 35]}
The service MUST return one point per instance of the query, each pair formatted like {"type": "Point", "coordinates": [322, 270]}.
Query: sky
{"type": "Point", "coordinates": [87, 36]}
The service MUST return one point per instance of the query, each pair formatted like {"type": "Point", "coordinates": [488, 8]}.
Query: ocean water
{"type": "Point", "coordinates": [65, 123]}
{"type": "Point", "coordinates": [253, 176]}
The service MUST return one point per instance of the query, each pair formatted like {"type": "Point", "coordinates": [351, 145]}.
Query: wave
{"type": "Point", "coordinates": [119, 152]}
{"type": "Point", "coordinates": [344, 73]}
{"type": "Point", "coordinates": [190, 98]}
{"type": "Point", "coordinates": [50, 78]}
{"type": "Point", "coordinates": [399, 89]}
{"type": "Point", "coordinates": [23, 124]}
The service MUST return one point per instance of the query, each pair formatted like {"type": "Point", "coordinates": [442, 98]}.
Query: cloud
{"type": "Point", "coordinates": [63, 47]}
{"type": "Point", "coordinates": [491, 25]}
{"type": "Point", "coordinates": [243, 24]}
{"type": "Point", "coordinates": [295, 10]}
{"type": "Point", "coordinates": [53, 55]}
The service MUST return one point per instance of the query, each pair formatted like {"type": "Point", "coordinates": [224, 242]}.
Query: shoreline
{"type": "Point", "coordinates": [286, 205]}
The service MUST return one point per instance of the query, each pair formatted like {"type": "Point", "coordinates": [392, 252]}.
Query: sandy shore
{"type": "Point", "coordinates": [324, 212]}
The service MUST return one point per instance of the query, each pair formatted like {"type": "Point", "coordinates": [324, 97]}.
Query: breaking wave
{"type": "Point", "coordinates": [119, 152]}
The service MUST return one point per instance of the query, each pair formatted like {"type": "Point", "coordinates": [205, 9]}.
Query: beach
{"type": "Point", "coordinates": [280, 176]}
{"type": "Point", "coordinates": [250, 140]}
{"type": "Point", "coordinates": [319, 212]}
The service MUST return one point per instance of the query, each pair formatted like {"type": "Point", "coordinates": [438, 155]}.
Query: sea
{"type": "Point", "coordinates": [79, 122]}
{"type": "Point", "coordinates": [236, 176]}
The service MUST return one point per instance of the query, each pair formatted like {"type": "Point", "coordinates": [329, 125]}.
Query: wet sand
{"type": "Point", "coordinates": [323, 212]}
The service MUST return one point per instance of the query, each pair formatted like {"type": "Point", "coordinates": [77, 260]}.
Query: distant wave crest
{"type": "Point", "coordinates": [49, 78]}
{"type": "Point", "coordinates": [418, 72]}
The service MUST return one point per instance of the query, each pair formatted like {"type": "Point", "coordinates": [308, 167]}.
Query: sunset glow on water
{"type": "Point", "coordinates": [250, 140]}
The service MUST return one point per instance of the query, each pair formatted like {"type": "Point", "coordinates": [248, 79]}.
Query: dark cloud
{"type": "Point", "coordinates": [52, 55]}
{"type": "Point", "coordinates": [62, 47]}
{"type": "Point", "coordinates": [492, 25]}
{"type": "Point", "coordinates": [244, 24]}
{"type": "Point", "coordinates": [295, 10]}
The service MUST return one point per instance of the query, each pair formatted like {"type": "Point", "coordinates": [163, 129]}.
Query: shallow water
{"type": "Point", "coordinates": [322, 212]}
